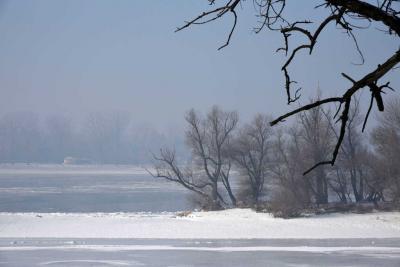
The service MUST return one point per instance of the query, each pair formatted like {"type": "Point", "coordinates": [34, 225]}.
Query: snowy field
{"type": "Point", "coordinates": [234, 238]}
{"type": "Point", "coordinates": [234, 223]}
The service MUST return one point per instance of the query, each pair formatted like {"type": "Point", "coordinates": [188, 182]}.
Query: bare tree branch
{"type": "Point", "coordinates": [341, 12]}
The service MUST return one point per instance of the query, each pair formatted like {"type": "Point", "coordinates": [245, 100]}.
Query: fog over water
{"type": "Point", "coordinates": [101, 138]}
{"type": "Point", "coordinates": [111, 81]}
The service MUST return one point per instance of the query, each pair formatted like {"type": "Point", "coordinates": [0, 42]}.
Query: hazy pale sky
{"type": "Point", "coordinates": [74, 57]}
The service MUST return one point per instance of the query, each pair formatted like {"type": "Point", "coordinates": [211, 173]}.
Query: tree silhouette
{"type": "Point", "coordinates": [346, 14]}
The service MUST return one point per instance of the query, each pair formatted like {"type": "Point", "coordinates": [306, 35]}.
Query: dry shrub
{"type": "Point", "coordinates": [284, 204]}
{"type": "Point", "coordinates": [206, 204]}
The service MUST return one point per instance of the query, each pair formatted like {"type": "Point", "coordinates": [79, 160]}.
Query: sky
{"type": "Point", "coordinates": [76, 57]}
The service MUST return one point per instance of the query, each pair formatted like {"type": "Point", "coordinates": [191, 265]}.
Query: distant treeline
{"type": "Point", "coordinates": [103, 138]}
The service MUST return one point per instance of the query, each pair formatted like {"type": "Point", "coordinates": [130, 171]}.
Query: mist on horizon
{"type": "Point", "coordinates": [111, 81]}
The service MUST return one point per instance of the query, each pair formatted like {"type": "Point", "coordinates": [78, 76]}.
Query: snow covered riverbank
{"type": "Point", "coordinates": [235, 223]}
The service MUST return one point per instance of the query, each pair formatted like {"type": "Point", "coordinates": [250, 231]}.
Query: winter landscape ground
{"type": "Point", "coordinates": [182, 133]}
{"type": "Point", "coordinates": [79, 233]}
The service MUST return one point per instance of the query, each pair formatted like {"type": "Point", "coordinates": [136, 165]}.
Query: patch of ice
{"type": "Point", "coordinates": [310, 249]}
{"type": "Point", "coordinates": [94, 262]}
{"type": "Point", "coordinates": [54, 169]}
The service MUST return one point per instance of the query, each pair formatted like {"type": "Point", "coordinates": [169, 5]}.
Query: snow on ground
{"type": "Point", "coordinates": [227, 224]}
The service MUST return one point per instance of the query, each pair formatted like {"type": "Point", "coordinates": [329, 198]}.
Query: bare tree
{"type": "Point", "coordinates": [316, 140]}
{"type": "Point", "coordinates": [209, 139]}
{"type": "Point", "coordinates": [167, 167]}
{"type": "Point", "coordinates": [376, 181]}
{"type": "Point", "coordinates": [346, 15]}
{"type": "Point", "coordinates": [386, 138]}
{"type": "Point", "coordinates": [349, 176]}
{"type": "Point", "coordinates": [309, 140]}
{"type": "Point", "coordinates": [252, 156]}
{"type": "Point", "coordinates": [291, 190]}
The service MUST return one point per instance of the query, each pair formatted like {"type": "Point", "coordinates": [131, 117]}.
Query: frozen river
{"type": "Point", "coordinates": [104, 189]}
{"type": "Point", "coordinates": [58, 188]}
{"type": "Point", "coordinates": [189, 252]}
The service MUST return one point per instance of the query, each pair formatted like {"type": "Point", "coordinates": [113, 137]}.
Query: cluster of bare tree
{"type": "Point", "coordinates": [218, 146]}
{"type": "Point", "coordinates": [348, 16]}
{"type": "Point", "coordinates": [314, 161]}
{"type": "Point", "coordinates": [102, 137]}
{"type": "Point", "coordinates": [385, 166]}
{"type": "Point", "coordinates": [253, 164]}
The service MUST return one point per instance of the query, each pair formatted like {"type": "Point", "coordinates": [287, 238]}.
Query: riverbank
{"type": "Point", "coordinates": [226, 224]}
